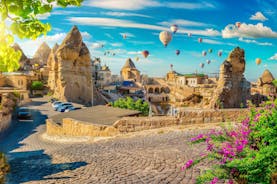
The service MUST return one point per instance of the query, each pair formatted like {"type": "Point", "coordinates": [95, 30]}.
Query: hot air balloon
{"type": "Point", "coordinates": [174, 28]}
{"type": "Point", "coordinates": [219, 53]}
{"type": "Point", "coordinates": [202, 65]}
{"type": "Point", "coordinates": [171, 66]}
{"type": "Point", "coordinates": [124, 36]}
{"type": "Point", "coordinates": [200, 40]}
{"type": "Point", "coordinates": [145, 53]}
{"type": "Point", "coordinates": [105, 53]}
{"type": "Point", "coordinates": [208, 61]}
{"type": "Point", "coordinates": [177, 52]}
{"type": "Point", "coordinates": [210, 50]}
{"type": "Point", "coordinates": [189, 34]}
{"type": "Point", "coordinates": [113, 54]}
{"type": "Point", "coordinates": [137, 58]}
{"type": "Point", "coordinates": [238, 24]}
{"type": "Point", "coordinates": [165, 37]}
{"type": "Point", "coordinates": [204, 53]}
{"type": "Point", "coordinates": [258, 61]}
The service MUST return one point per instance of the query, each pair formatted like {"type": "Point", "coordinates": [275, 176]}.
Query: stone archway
{"type": "Point", "coordinates": [150, 90]}
{"type": "Point", "coordinates": [157, 90]}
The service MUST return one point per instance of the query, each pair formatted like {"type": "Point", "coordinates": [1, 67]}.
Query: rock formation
{"type": "Point", "coordinates": [41, 54]}
{"type": "Point", "coordinates": [265, 84]}
{"type": "Point", "coordinates": [129, 71]}
{"type": "Point", "coordinates": [70, 76]}
{"type": "Point", "coordinates": [23, 59]}
{"type": "Point", "coordinates": [233, 89]}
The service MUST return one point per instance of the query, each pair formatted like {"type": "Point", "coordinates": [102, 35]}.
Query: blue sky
{"type": "Point", "coordinates": [104, 22]}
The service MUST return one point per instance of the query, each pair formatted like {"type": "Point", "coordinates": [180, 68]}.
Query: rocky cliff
{"type": "Point", "coordinates": [233, 89]}
{"type": "Point", "coordinates": [23, 59]}
{"type": "Point", "coordinates": [70, 75]}
{"type": "Point", "coordinates": [42, 54]}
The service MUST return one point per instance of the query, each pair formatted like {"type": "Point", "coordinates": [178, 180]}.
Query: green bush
{"type": "Point", "coordinates": [37, 85]}
{"type": "Point", "coordinates": [129, 103]}
{"type": "Point", "coordinates": [275, 82]}
{"type": "Point", "coordinates": [4, 167]}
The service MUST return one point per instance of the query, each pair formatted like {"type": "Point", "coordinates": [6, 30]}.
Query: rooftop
{"type": "Point", "coordinates": [97, 115]}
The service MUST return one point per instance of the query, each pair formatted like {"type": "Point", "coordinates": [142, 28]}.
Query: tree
{"type": "Point", "coordinates": [23, 23]}
{"type": "Point", "coordinates": [129, 103]}
{"type": "Point", "coordinates": [37, 85]}
{"type": "Point", "coordinates": [275, 82]}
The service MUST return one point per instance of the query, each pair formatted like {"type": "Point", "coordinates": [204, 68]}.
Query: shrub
{"type": "Point", "coordinates": [129, 103]}
{"type": "Point", "coordinates": [245, 153]}
{"type": "Point", "coordinates": [37, 85]}
{"type": "Point", "coordinates": [4, 167]}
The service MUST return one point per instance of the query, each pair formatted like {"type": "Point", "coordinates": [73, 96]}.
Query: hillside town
{"type": "Point", "coordinates": [72, 117]}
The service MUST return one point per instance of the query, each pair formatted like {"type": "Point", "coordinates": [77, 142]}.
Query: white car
{"type": "Point", "coordinates": [56, 103]}
{"type": "Point", "coordinates": [72, 109]}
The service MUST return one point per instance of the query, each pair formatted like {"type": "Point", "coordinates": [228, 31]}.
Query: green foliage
{"type": "Point", "coordinates": [245, 153]}
{"type": "Point", "coordinates": [129, 103]}
{"type": "Point", "coordinates": [37, 85]}
{"type": "Point", "coordinates": [24, 23]}
{"type": "Point", "coordinates": [4, 167]}
{"type": "Point", "coordinates": [275, 82]}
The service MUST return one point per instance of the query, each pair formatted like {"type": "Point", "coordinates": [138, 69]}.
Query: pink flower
{"type": "Point", "coordinates": [214, 181]}
{"type": "Point", "coordinates": [230, 182]}
{"type": "Point", "coordinates": [187, 165]}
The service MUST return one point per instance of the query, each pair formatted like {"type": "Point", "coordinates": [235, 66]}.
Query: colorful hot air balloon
{"type": "Point", "coordinates": [200, 40]}
{"type": "Point", "coordinates": [171, 66]}
{"type": "Point", "coordinates": [219, 53]}
{"type": "Point", "coordinates": [208, 61]}
{"type": "Point", "coordinates": [204, 53]}
{"type": "Point", "coordinates": [137, 58]}
{"type": "Point", "coordinates": [165, 37]}
{"type": "Point", "coordinates": [258, 61]}
{"type": "Point", "coordinates": [124, 36]}
{"type": "Point", "coordinates": [202, 65]}
{"type": "Point", "coordinates": [145, 53]}
{"type": "Point", "coordinates": [238, 24]}
{"type": "Point", "coordinates": [210, 50]}
{"type": "Point", "coordinates": [177, 52]}
{"type": "Point", "coordinates": [189, 34]}
{"type": "Point", "coordinates": [174, 28]}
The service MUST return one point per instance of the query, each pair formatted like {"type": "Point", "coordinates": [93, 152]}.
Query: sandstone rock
{"type": "Point", "coordinates": [233, 89]}
{"type": "Point", "coordinates": [23, 60]}
{"type": "Point", "coordinates": [267, 77]}
{"type": "Point", "coordinates": [70, 75]}
{"type": "Point", "coordinates": [42, 54]}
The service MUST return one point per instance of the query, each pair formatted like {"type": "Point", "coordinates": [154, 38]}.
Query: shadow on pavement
{"type": "Point", "coordinates": [36, 166]}
{"type": "Point", "coordinates": [20, 131]}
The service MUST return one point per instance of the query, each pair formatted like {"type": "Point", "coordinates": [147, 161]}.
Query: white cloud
{"type": "Point", "coordinates": [109, 36]}
{"type": "Point", "coordinates": [29, 47]}
{"type": "Point", "coordinates": [86, 35]}
{"type": "Point", "coordinates": [124, 14]}
{"type": "Point", "coordinates": [182, 22]}
{"type": "Point", "coordinates": [216, 42]}
{"type": "Point", "coordinates": [134, 52]}
{"type": "Point", "coordinates": [274, 57]}
{"type": "Point", "coordinates": [116, 44]}
{"type": "Point", "coordinates": [128, 35]}
{"type": "Point", "coordinates": [110, 22]}
{"type": "Point", "coordinates": [258, 16]}
{"type": "Point", "coordinates": [141, 42]}
{"type": "Point", "coordinates": [96, 45]}
{"type": "Point", "coordinates": [248, 31]}
{"type": "Point", "coordinates": [255, 42]}
{"type": "Point", "coordinates": [141, 4]}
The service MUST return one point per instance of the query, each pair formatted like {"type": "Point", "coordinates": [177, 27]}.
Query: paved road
{"type": "Point", "coordinates": [146, 158]}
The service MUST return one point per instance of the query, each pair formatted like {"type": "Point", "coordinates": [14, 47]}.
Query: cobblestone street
{"type": "Point", "coordinates": [153, 157]}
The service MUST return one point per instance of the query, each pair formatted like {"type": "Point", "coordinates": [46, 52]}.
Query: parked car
{"type": "Point", "coordinates": [72, 109]}
{"type": "Point", "coordinates": [62, 108]}
{"type": "Point", "coordinates": [24, 113]}
{"type": "Point", "coordinates": [60, 105]}
{"type": "Point", "coordinates": [56, 104]}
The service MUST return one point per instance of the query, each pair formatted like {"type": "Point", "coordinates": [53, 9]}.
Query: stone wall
{"type": "Point", "coordinates": [71, 127]}
{"type": "Point", "coordinates": [133, 124]}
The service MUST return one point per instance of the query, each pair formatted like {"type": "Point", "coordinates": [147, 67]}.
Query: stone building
{"type": "Point", "coordinates": [104, 76]}
{"type": "Point", "coordinates": [130, 72]}
{"type": "Point", "coordinates": [70, 72]}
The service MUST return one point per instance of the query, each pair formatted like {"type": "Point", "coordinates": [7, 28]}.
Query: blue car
{"type": "Point", "coordinates": [63, 107]}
